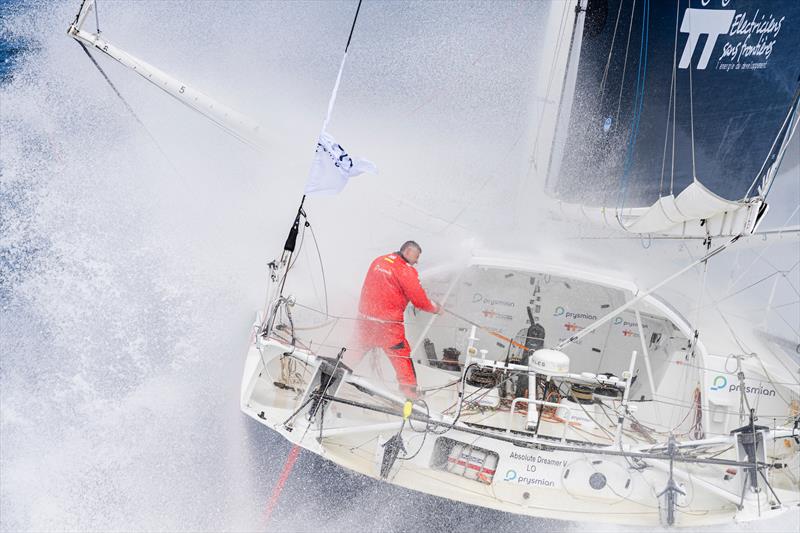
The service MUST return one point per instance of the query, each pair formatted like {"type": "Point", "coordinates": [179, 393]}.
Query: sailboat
{"type": "Point", "coordinates": [562, 388]}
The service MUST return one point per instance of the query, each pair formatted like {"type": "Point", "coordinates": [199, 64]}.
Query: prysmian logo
{"type": "Point", "coordinates": [625, 324]}
{"type": "Point", "coordinates": [720, 382]}
{"type": "Point", "coordinates": [478, 297]}
{"type": "Point", "coordinates": [753, 390]}
{"type": "Point", "coordinates": [561, 311]}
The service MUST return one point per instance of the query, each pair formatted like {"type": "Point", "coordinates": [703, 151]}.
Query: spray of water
{"type": "Point", "coordinates": [133, 255]}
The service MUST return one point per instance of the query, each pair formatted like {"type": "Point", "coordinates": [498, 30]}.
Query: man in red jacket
{"type": "Point", "coordinates": [391, 283]}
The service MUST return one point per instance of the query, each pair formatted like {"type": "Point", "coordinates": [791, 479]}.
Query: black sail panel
{"type": "Point", "coordinates": [730, 76]}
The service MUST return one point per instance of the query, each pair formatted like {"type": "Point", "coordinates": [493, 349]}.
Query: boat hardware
{"type": "Point", "coordinates": [670, 494]}
{"type": "Point", "coordinates": [501, 435]}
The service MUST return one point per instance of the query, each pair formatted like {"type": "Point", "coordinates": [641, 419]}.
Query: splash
{"type": "Point", "coordinates": [133, 255]}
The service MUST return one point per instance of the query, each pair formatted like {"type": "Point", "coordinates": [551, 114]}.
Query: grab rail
{"type": "Point", "coordinates": [545, 404]}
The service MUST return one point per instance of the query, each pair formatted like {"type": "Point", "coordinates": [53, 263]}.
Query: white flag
{"type": "Point", "coordinates": [332, 167]}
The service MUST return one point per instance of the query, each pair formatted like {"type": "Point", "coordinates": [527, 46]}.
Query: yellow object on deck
{"type": "Point", "coordinates": [407, 408]}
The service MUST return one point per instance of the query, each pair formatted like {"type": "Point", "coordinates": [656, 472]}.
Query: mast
{"type": "Point", "coordinates": [567, 92]}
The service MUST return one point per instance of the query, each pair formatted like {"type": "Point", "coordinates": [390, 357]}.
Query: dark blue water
{"type": "Point", "coordinates": [10, 49]}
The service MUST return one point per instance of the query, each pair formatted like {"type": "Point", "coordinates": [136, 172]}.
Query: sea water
{"type": "Point", "coordinates": [133, 249]}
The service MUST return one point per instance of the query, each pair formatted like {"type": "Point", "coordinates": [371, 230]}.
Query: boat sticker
{"type": "Point", "coordinates": [722, 383]}
{"type": "Point", "coordinates": [537, 469]}
{"type": "Point", "coordinates": [491, 300]}
{"type": "Point", "coordinates": [574, 315]}
{"type": "Point", "coordinates": [739, 40]}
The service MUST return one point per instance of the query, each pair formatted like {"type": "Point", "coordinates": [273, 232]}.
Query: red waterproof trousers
{"type": "Point", "coordinates": [390, 284]}
{"type": "Point", "coordinates": [391, 338]}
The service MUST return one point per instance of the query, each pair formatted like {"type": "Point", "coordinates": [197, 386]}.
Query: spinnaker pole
{"type": "Point", "coordinates": [233, 122]}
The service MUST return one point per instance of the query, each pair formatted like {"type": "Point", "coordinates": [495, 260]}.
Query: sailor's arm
{"type": "Point", "coordinates": [409, 281]}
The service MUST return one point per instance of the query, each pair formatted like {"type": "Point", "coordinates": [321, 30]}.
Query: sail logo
{"type": "Point", "coordinates": [478, 297]}
{"type": "Point", "coordinates": [709, 22]}
{"type": "Point", "coordinates": [720, 382]}
{"type": "Point", "coordinates": [756, 35]}
{"type": "Point", "coordinates": [338, 155]}
{"type": "Point", "coordinates": [561, 311]}
{"type": "Point", "coordinates": [619, 321]}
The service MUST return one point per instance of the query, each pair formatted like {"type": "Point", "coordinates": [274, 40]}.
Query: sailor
{"type": "Point", "coordinates": [391, 283]}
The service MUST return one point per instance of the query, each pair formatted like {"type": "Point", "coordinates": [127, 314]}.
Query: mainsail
{"type": "Point", "coordinates": [677, 115]}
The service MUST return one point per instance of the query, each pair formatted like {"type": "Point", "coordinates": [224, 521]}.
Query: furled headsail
{"type": "Point", "coordinates": [674, 116]}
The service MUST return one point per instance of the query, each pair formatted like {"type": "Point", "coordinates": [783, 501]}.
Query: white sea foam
{"type": "Point", "coordinates": [131, 267]}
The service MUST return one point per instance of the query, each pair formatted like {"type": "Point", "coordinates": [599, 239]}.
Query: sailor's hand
{"type": "Point", "coordinates": [438, 309]}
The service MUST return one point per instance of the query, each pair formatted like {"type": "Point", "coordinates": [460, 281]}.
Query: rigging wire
{"type": "Point", "coordinates": [666, 137]}
{"type": "Point", "coordinates": [608, 60]}
{"type": "Point", "coordinates": [764, 250]}
{"type": "Point", "coordinates": [641, 80]}
{"type": "Point", "coordinates": [136, 117]}
{"type": "Point", "coordinates": [625, 63]}
{"type": "Point", "coordinates": [691, 120]}
{"type": "Point", "coordinates": [741, 345]}
{"type": "Point", "coordinates": [653, 356]}
{"type": "Point", "coordinates": [96, 17]}
{"type": "Point", "coordinates": [671, 110]}
{"type": "Point", "coordinates": [321, 268]}
{"type": "Point", "coordinates": [550, 79]}
{"type": "Point", "coordinates": [791, 116]}
{"type": "Point", "coordinates": [771, 181]}
{"type": "Point", "coordinates": [675, 97]}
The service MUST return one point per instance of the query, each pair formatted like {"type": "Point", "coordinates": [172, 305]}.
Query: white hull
{"type": "Point", "coordinates": [571, 468]}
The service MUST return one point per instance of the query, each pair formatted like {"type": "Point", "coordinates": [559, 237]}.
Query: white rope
{"type": "Point", "coordinates": [333, 94]}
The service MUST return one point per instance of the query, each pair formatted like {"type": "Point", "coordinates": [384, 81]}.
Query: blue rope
{"type": "Point", "coordinates": [641, 78]}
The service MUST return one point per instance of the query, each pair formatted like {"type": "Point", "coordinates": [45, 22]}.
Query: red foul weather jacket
{"type": "Point", "coordinates": [390, 284]}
